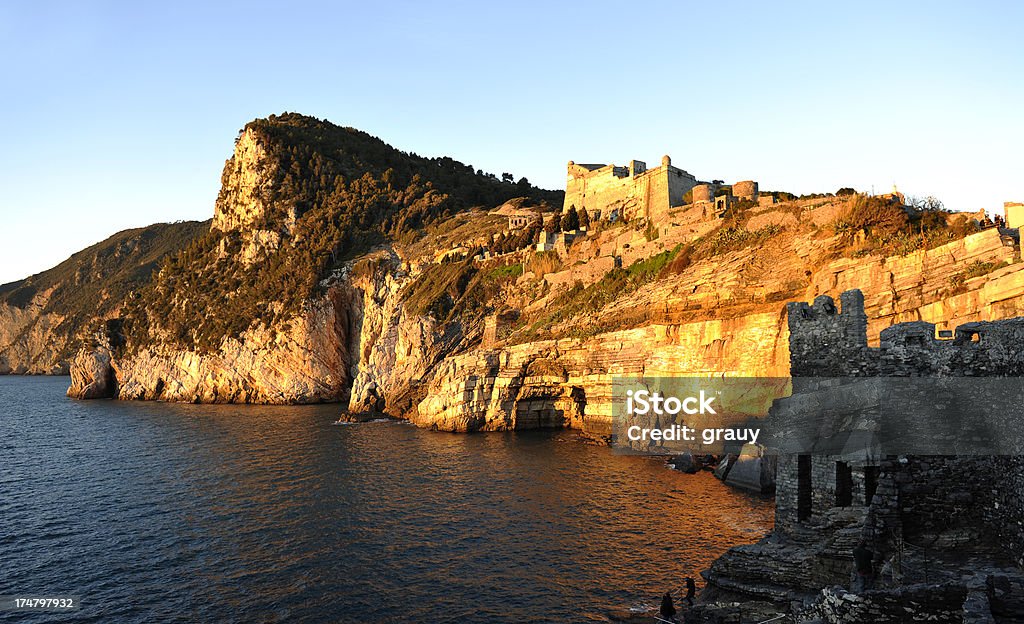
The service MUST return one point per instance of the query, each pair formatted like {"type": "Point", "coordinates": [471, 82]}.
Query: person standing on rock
{"type": "Point", "coordinates": [668, 610]}
{"type": "Point", "coordinates": [691, 589]}
{"type": "Point", "coordinates": [863, 560]}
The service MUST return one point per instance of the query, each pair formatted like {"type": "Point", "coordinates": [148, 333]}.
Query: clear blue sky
{"type": "Point", "coordinates": [116, 115]}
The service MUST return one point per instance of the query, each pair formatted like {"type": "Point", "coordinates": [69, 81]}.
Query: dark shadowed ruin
{"type": "Point", "coordinates": [946, 531]}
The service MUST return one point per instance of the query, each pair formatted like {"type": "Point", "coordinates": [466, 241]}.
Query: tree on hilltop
{"type": "Point", "coordinates": [584, 218]}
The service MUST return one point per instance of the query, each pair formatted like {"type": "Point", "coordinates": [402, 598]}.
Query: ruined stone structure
{"type": "Point", "coordinates": [946, 530]}
{"type": "Point", "coordinates": [636, 192]}
{"type": "Point", "coordinates": [633, 191]}
{"type": "Point", "coordinates": [747, 189]}
{"type": "Point", "coordinates": [558, 241]}
{"type": "Point", "coordinates": [496, 326]}
{"type": "Point", "coordinates": [707, 195]}
{"type": "Point", "coordinates": [1014, 214]}
{"type": "Point", "coordinates": [522, 218]}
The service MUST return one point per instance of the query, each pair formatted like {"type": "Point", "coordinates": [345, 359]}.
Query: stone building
{"type": "Point", "coordinates": [522, 218]}
{"type": "Point", "coordinates": [946, 530]}
{"type": "Point", "coordinates": [1014, 214]}
{"type": "Point", "coordinates": [708, 194]}
{"type": "Point", "coordinates": [746, 189]}
{"type": "Point", "coordinates": [633, 191]}
{"type": "Point", "coordinates": [557, 241]}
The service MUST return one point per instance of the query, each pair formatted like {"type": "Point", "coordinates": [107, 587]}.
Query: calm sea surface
{"type": "Point", "coordinates": [155, 512]}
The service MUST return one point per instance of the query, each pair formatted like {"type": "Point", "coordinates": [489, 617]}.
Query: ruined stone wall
{"type": "Point", "coordinates": [827, 342]}
{"type": "Point", "coordinates": [933, 603]}
{"type": "Point", "coordinates": [978, 497]}
{"type": "Point", "coordinates": [823, 493]}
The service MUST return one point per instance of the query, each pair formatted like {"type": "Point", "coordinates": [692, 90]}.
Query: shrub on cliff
{"type": "Point", "coordinates": [880, 225]}
{"type": "Point", "coordinates": [873, 215]}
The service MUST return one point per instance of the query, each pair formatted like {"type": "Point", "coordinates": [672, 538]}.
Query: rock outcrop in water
{"type": "Point", "coordinates": [92, 376]}
{"type": "Point", "coordinates": [308, 362]}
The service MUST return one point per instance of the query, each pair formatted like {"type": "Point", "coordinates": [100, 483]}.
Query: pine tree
{"type": "Point", "coordinates": [572, 220]}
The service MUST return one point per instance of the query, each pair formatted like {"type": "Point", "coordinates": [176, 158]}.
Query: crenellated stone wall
{"type": "Point", "coordinates": [946, 530]}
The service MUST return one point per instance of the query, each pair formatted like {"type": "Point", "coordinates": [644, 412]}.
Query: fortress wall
{"type": "Point", "coordinates": [915, 495]}
{"type": "Point", "coordinates": [646, 195]}
{"type": "Point", "coordinates": [602, 188]}
{"type": "Point", "coordinates": [667, 190]}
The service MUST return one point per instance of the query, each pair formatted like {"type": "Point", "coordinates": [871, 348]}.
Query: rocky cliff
{"type": "Point", "coordinates": [567, 382]}
{"type": "Point", "coordinates": [297, 294]}
{"type": "Point", "coordinates": [340, 269]}
{"type": "Point", "coordinates": [45, 318]}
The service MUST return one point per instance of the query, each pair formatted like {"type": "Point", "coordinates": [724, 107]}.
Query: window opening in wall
{"type": "Point", "coordinates": [870, 483]}
{"type": "Point", "coordinates": [844, 484]}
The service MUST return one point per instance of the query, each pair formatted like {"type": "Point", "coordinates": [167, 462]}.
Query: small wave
{"type": "Point", "coordinates": [342, 421]}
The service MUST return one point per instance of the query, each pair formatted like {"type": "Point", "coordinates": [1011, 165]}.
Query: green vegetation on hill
{"type": "Point", "coordinates": [94, 281]}
{"type": "Point", "coordinates": [349, 190]}
{"type": "Point", "coordinates": [580, 303]}
{"type": "Point", "coordinates": [882, 226]}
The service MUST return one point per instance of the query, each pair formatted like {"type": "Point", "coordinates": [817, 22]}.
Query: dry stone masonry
{"type": "Point", "coordinates": [946, 531]}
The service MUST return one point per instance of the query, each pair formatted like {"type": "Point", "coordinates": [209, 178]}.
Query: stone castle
{"type": "Point", "coordinates": [636, 192]}
{"type": "Point", "coordinates": [946, 530]}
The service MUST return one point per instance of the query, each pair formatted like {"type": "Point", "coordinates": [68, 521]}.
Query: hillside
{"type": "Point", "coordinates": [45, 318]}
{"type": "Point", "coordinates": [299, 198]}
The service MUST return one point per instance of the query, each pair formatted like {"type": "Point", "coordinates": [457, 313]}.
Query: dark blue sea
{"type": "Point", "coordinates": [157, 512]}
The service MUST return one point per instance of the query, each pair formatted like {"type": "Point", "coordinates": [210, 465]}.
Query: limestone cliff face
{"type": "Point", "coordinates": [307, 361]}
{"type": "Point", "coordinates": [355, 345]}
{"type": "Point", "coordinates": [568, 383]}
{"type": "Point", "coordinates": [30, 341]}
{"type": "Point", "coordinates": [395, 350]}
{"type": "Point", "coordinates": [934, 285]}
{"type": "Point", "coordinates": [245, 204]}
{"type": "Point", "coordinates": [246, 183]}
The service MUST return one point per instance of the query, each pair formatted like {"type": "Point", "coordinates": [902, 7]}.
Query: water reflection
{"type": "Point", "coordinates": [271, 514]}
